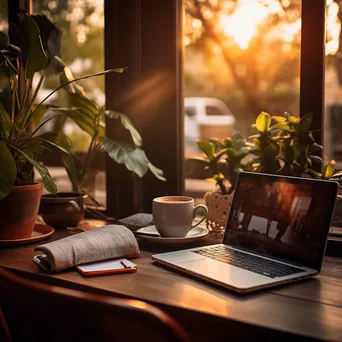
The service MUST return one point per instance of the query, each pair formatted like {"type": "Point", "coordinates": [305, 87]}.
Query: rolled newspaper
{"type": "Point", "coordinates": [107, 242]}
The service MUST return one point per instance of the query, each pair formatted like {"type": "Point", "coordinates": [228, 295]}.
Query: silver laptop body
{"type": "Point", "coordinates": [276, 233]}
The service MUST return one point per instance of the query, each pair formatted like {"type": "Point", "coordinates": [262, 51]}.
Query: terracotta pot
{"type": "Point", "coordinates": [65, 209]}
{"type": "Point", "coordinates": [18, 212]}
{"type": "Point", "coordinates": [218, 210]}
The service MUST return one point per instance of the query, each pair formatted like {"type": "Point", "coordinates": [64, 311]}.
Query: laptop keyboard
{"type": "Point", "coordinates": [248, 262]}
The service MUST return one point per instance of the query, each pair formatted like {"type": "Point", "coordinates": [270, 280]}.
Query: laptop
{"type": "Point", "coordinates": [276, 233]}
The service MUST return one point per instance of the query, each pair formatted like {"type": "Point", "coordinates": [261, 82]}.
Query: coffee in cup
{"type": "Point", "coordinates": [174, 215]}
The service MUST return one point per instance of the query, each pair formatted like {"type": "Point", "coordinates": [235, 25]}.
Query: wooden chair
{"type": "Point", "coordinates": [41, 312]}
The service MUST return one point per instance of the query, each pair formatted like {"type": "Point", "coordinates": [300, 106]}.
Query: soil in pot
{"type": "Point", "coordinates": [18, 212]}
{"type": "Point", "coordinates": [64, 209]}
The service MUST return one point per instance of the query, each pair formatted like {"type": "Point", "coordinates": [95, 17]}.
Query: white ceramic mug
{"type": "Point", "coordinates": [173, 215]}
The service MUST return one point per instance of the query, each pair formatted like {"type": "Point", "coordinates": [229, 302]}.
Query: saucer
{"type": "Point", "coordinates": [40, 232]}
{"type": "Point", "coordinates": [193, 235]}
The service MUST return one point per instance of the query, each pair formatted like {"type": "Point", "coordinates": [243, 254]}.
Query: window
{"type": "Point", "coordinates": [82, 24]}
{"type": "Point", "coordinates": [299, 81]}
{"type": "Point", "coordinates": [151, 90]}
{"type": "Point", "coordinates": [333, 84]}
{"type": "Point", "coordinates": [241, 57]}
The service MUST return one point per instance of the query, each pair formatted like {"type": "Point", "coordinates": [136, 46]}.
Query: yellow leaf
{"type": "Point", "coordinates": [263, 122]}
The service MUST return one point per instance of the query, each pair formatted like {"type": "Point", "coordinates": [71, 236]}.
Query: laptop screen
{"type": "Point", "coordinates": [283, 217]}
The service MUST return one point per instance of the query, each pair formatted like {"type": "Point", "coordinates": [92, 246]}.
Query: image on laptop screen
{"type": "Point", "coordinates": [283, 217]}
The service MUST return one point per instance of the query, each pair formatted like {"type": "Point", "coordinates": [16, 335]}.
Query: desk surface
{"type": "Point", "coordinates": [309, 309]}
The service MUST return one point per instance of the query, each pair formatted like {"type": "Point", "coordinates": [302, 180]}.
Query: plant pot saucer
{"type": "Point", "coordinates": [40, 232]}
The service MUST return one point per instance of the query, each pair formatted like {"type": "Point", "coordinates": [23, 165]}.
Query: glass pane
{"type": "Point", "coordinates": [241, 57]}
{"type": "Point", "coordinates": [82, 23]}
{"type": "Point", "coordinates": [333, 83]}
{"type": "Point", "coordinates": [3, 16]}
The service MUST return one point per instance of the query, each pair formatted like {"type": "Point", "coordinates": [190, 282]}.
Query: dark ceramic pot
{"type": "Point", "coordinates": [18, 212]}
{"type": "Point", "coordinates": [64, 209]}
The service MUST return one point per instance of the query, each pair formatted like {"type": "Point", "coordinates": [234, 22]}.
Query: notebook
{"type": "Point", "coordinates": [107, 267]}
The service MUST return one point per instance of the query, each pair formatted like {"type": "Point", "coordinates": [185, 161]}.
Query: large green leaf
{"type": "Point", "coordinates": [48, 183]}
{"type": "Point", "coordinates": [57, 138]}
{"type": "Point", "coordinates": [67, 160]}
{"type": "Point", "coordinates": [50, 34]}
{"type": "Point", "coordinates": [85, 122]}
{"type": "Point", "coordinates": [82, 102]}
{"type": "Point", "coordinates": [38, 114]}
{"type": "Point", "coordinates": [127, 123]}
{"type": "Point", "coordinates": [157, 172]}
{"type": "Point", "coordinates": [134, 159]}
{"type": "Point", "coordinates": [263, 122]}
{"type": "Point", "coordinates": [208, 148]}
{"type": "Point", "coordinates": [8, 170]}
{"type": "Point", "coordinates": [31, 46]}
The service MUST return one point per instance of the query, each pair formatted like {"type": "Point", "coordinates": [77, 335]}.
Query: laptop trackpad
{"type": "Point", "coordinates": [224, 273]}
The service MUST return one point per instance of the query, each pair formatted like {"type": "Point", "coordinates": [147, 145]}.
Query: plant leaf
{"type": "Point", "coordinates": [263, 122]}
{"type": "Point", "coordinates": [314, 174]}
{"type": "Point", "coordinates": [50, 34]}
{"type": "Point", "coordinates": [279, 119]}
{"type": "Point", "coordinates": [82, 102]}
{"type": "Point", "coordinates": [208, 148]}
{"type": "Point", "coordinates": [67, 160]}
{"type": "Point", "coordinates": [305, 122]}
{"type": "Point", "coordinates": [157, 172]}
{"type": "Point", "coordinates": [327, 171]}
{"type": "Point", "coordinates": [127, 123]}
{"type": "Point", "coordinates": [218, 144]}
{"type": "Point", "coordinates": [8, 170]}
{"type": "Point", "coordinates": [58, 67]}
{"type": "Point", "coordinates": [5, 123]}
{"type": "Point", "coordinates": [31, 46]}
{"type": "Point", "coordinates": [280, 126]}
{"type": "Point", "coordinates": [48, 183]}
{"type": "Point", "coordinates": [337, 174]}
{"type": "Point", "coordinates": [134, 159]}
{"type": "Point", "coordinates": [38, 114]}
{"type": "Point", "coordinates": [84, 121]}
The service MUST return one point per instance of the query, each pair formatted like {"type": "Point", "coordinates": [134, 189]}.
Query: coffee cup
{"type": "Point", "coordinates": [174, 215]}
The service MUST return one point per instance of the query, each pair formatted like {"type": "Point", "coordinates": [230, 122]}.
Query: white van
{"type": "Point", "coordinates": [207, 117]}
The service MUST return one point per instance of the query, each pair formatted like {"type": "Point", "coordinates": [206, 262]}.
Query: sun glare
{"type": "Point", "coordinates": [242, 24]}
{"type": "Point", "coordinates": [333, 29]}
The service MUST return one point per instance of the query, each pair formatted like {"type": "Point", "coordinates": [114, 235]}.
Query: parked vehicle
{"type": "Point", "coordinates": [206, 117]}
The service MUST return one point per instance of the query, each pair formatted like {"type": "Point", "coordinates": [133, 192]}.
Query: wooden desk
{"type": "Point", "coordinates": [310, 309]}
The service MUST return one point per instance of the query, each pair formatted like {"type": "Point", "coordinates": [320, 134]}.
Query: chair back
{"type": "Point", "coordinates": [38, 311]}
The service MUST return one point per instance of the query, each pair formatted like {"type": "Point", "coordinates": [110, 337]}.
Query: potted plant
{"type": "Point", "coordinates": [286, 147]}
{"type": "Point", "coordinates": [224, 158]}
{"type": "Point", "coordinates": [131, 156]}
{"type": "Point", "coordinates": [35, 48]}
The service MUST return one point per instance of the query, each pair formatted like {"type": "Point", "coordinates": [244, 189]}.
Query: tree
{"type": "Point", "coordinates": [263, 59]}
